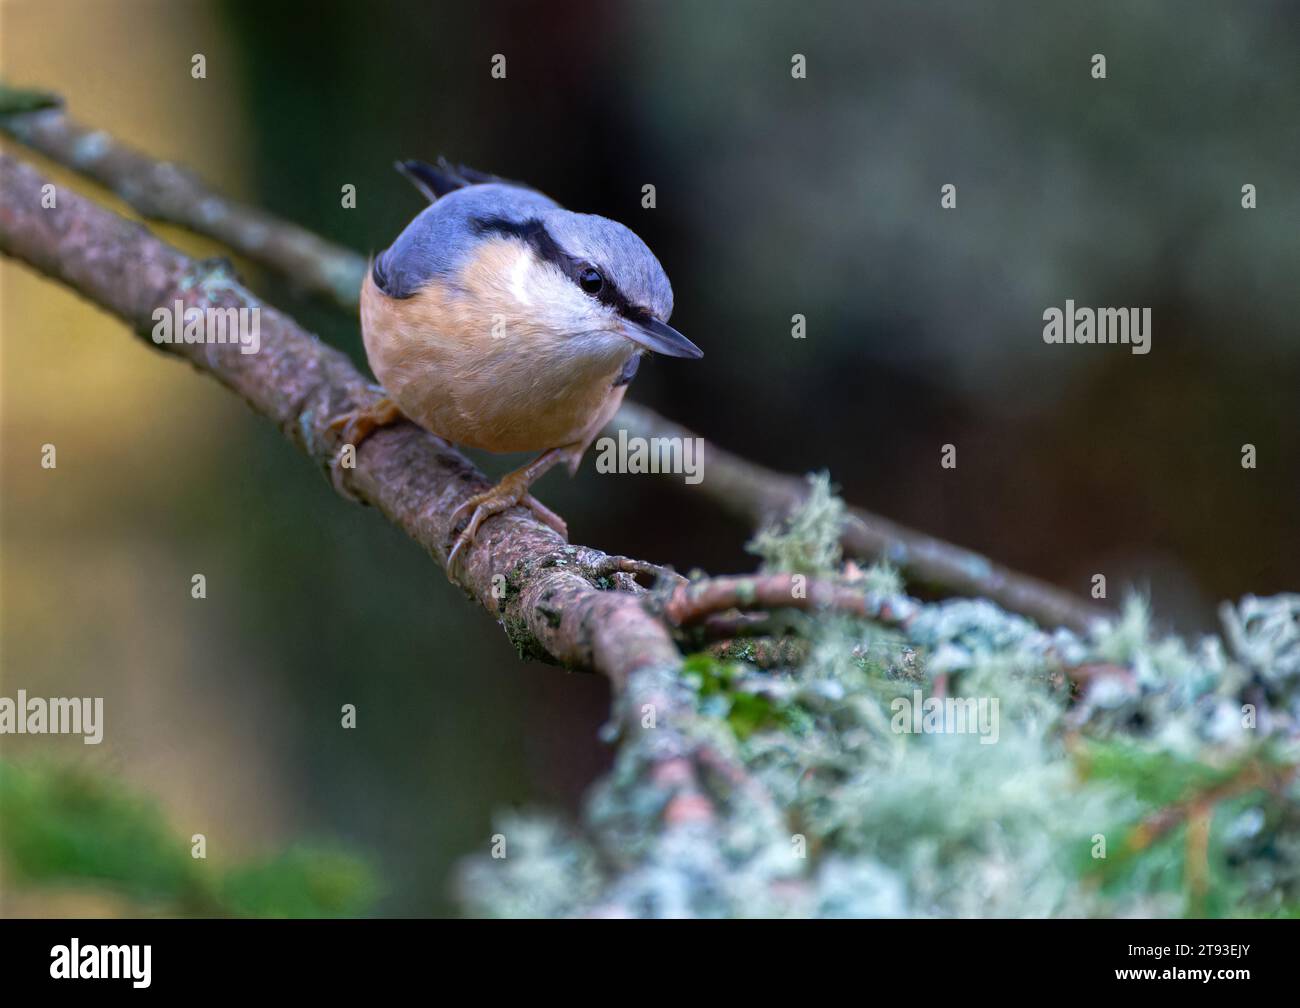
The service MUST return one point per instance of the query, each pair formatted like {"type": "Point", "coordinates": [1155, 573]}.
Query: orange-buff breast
{"type": "Point", "coordinates": [469, 366]}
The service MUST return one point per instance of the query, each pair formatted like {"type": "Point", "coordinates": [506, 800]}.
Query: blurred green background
{"type": "Point", "coordinates": [775, 196]}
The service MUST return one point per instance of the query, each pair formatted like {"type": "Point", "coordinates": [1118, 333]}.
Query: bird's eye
{"type": "Point", "coordinates": [591, 281]}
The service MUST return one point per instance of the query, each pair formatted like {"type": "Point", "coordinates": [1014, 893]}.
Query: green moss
{"type": "Point", "coordinates": [62, 825]}
{"type": "Point", "coordinates": [15, 100]}
{"type": "Point", "coordinates": [726, 691]}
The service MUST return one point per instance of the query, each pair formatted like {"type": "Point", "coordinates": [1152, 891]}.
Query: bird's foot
{"type": "Point", "coordinates": [511, 491]}
{"type": "Point", "coordinates": [354, 427]}
{"type": "Point", "coordinates": [358, 424]}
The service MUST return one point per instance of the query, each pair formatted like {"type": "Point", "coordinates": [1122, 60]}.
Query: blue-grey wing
{"type": "Point", "coordinates": [444, 234]}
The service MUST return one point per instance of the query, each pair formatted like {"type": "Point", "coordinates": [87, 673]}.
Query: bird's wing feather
{"type": "Point", "coordinates": [439, 240]}
{"type": "Point", "coordinates": [436, 181]}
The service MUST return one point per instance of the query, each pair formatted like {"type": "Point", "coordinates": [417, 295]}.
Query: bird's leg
{"type": "Point", "coordinates": [358, 424]}
{"type": "Point", "coordinates": [355, 426]}
{"type": "Point", "coordinates": [512, 490]}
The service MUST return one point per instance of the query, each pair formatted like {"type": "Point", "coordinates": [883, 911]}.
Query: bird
{"type": "Point", "coordinates": [500, 320]}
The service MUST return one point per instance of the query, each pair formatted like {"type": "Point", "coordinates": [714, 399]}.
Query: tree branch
{"type": "Point", "coordinates": [163, 191]}
{"type": "Point", "coordinates": [691, 603]}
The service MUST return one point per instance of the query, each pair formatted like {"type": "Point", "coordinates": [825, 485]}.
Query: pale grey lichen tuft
{"type": "Point", "coordinates": [808, 542]}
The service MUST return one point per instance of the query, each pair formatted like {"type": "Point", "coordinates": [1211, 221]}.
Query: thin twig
{"type": "Point", "coordinates": [733, 606]}
{"type": "Point", "coordinates": [1251, 776]}
{"type": "Point", "coordinates": [162, 191]}
{"type": "Point", "coordinates": [691, 603]}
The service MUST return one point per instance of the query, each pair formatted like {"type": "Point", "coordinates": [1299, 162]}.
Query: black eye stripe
{"type": "Point", "coordinates": [534, 232]}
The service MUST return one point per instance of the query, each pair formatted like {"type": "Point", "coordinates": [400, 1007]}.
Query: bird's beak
{"type": "Point", "coordinates": [661, 338]}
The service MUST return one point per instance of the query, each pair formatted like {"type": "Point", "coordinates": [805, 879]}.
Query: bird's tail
{"type": "Point", "coordinates": [436, 181]}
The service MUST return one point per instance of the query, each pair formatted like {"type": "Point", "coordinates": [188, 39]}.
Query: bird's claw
{"type": "Point", "coordinates": [501, 497]}
{"type": "Point", "coordinates": [355, 426]}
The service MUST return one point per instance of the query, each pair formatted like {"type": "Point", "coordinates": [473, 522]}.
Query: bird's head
{"type": "Point", "coordinates": [591, 281]}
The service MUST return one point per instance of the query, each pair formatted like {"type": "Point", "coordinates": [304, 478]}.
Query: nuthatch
{"type": "Point", "coordinates": [500, 320]}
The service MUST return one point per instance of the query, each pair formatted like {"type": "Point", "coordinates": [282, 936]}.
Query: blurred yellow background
{"type": "Point", "coordinates": [93, 604]}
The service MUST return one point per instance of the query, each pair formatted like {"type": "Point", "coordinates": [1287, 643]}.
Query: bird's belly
{"type": "Point", "coordinates": [503, 417]}
{"type": "Point", "coordinates": [476, 390]}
